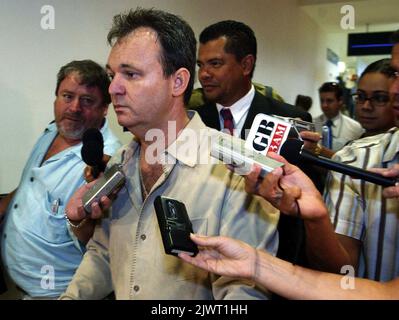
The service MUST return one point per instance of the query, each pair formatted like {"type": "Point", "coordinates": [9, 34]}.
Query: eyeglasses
{"type": "Point", "coordinates": [378, 99]}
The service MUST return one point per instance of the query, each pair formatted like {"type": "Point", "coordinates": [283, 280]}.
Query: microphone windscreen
{"type": "Point", "coordinates": [291, 150]}
{"type": "Point", "coordinates": [92, 134]}
{"type": "Point", "coordinates": [92, 147]}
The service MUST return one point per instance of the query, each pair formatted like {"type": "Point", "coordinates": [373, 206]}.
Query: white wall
{"type": "Point", "coordinates": [291, 56]}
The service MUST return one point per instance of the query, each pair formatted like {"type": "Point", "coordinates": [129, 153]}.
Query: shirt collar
{"type": "Point", "coordinates": [239, 108]}
{"type": "Point", "coordinates": [184, 150]}
{"type": "Point", "coordinates": [334, 120]}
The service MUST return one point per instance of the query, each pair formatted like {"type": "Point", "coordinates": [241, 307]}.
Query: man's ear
{"type": "Point", "coordinates": [247, 64]}
{"type": "Point", "coordinates": [181, 78]}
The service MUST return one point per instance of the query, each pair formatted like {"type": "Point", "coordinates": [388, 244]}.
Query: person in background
{"type": "Point", "coordinates": [341, 128]}
{"type": "Point", "coordinates": [36, 240]}
{"type": "Point", "coordinates": [373, 107]}
{"type": "Point", "coordinates": [303, 102]}
{"type": "Point", "coordinates": [362, 226]}
{"type": "Point", "coordinates": [226, 63]}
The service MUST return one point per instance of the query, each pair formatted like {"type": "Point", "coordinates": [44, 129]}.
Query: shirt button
{"type": "Point", "coordinates": [136, 288]}
{"type": "Point", "coordinates": [16, 206]}
{"type": "Point", "coordinates": [143, 237]}
{"type": "Point", "coordinates": [5, 235]}
{"type": "Point", "coordinates": [32, 179]}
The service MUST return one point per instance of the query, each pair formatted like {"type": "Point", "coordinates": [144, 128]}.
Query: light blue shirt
{"type": "Point", "coordinates": [39, 251]}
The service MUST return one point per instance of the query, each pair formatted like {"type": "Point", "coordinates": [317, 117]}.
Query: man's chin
{"type": "Point", "coordinates": [72, 134]}
{"type": "Point", "coordinates": [211, 97]}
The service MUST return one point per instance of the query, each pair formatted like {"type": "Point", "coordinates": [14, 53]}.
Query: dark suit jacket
{"type": "Point", "coordinates": [260, 104]}
{"type": "Point", "coordinates": [291, 230]}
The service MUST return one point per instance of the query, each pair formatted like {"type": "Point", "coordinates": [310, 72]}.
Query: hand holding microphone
{"type": "Point", "coordinates": [293, 151]}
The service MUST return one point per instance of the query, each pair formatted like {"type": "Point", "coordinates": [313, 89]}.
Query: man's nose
{"type": "Point", "coordinates": [116, 86]}
{"type": "Point", "coordinates": [74, 105]}
{"type": "Point", "coordinates": [203, 73]}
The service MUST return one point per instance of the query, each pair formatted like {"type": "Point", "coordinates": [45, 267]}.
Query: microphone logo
{"type": "Point", "coordinates": [267, 134]}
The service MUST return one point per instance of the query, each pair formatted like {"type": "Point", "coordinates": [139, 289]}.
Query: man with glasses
{"type": "Point", "coordinates": [338, 127]}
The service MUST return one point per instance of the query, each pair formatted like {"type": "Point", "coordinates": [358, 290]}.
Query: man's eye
{"type": "Point", "coordinates": [86, 101]}
{"type": "Point", "coordinates": [111, 76]}
{"type": "Point", "coordinates": [382, 98]}
{"type": "Point", "coordinates": [67, 97]}
{"type": "Point", "coordinates": [131, 75]}
{"type": "Point", "coordinates": [216, 64]}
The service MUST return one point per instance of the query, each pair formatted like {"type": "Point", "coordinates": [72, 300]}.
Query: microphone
{"type": "Point", "coordinates": [293, 152]}
{"type": "Point", "coordinates": [92, 150]}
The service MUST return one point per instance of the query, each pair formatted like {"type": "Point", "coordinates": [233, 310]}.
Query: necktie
{"type": "Point", "coordinates": [228, 123]}
{"type": "Point", "coordinates": [327, 134]}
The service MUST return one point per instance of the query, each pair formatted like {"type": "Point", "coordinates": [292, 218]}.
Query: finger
{"type": "Point", "coordinates": [310, 136]}
{"type": "Point", "coordinates": [87, 174]}
{"type": "Point", "coordinates": [270, 183]}
{"type": "Point", "coordinates": [105, 202]}
{"type": "Point", "coordinates": [252, 179]}
{"type": "Point", "coordinates": [96, 211]}
{"type": "Point", "coordinates": [391, 172]}
{"type": "Point", "coordinates": [288, 200]}
{"type": "Point", "coordinates": [206, 241]}
{"type": "Point", "coordinates": [391, 192]}
{"type": "Point", "coordinates": [81, 213]}
{"type": "Point", "coordinates": [196, 261]}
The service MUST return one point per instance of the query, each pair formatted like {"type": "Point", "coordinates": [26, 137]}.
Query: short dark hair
{"type": "Point", "coordinates": [91, 74]}
{"type": "Point", "coordinates": [395, 37]}
{"type": "Point", "coordinates": [241, 39]}
{"type": "Point", "coordinates": [177, 39]}
{"type": "Point", "coordinates": [380, 66]}
{"type": "Point", "coordinates": [332, 87]}
{"type": "Point", "coordinates": [304, 102]}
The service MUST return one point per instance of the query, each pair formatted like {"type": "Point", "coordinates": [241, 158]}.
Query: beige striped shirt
{"type": "Point", "coordinates": [358, 210]}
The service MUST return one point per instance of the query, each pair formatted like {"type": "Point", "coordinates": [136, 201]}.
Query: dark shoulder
{"type": "Point", "coordinates": [287, 110]}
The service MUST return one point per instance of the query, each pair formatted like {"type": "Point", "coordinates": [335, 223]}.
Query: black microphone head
{"type": "Point", "coordinates": [291, 150]}
{"type": "Point", "coordinates": [92, 147]}
{"type": "Point", "coordinates": [92, 134]}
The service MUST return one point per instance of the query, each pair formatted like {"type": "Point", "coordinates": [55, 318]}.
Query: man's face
{"type": "Point", "coordinates": [394, 89]}
{"type": "Point", "coordinates": [141, 95]}
{"type": "Point", "coordinates": [222, 77]}
{"type": "Point", "coordinates": [77, 107]}
{"type": "Point", "coordinates": [377, 115]}
{"type": "Point", "coordinates": [330, 104]}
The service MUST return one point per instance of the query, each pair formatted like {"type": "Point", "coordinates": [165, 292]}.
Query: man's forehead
{"type": "Point", "coordinates": [74, 81]}
{"type": "Point", "coordinates": [144, 33]}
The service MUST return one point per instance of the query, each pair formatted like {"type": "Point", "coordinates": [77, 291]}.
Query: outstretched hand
{"type": "Point", "coordinates": [286, 188]}
{"type": "Point", "coordinates": [224, 256]}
